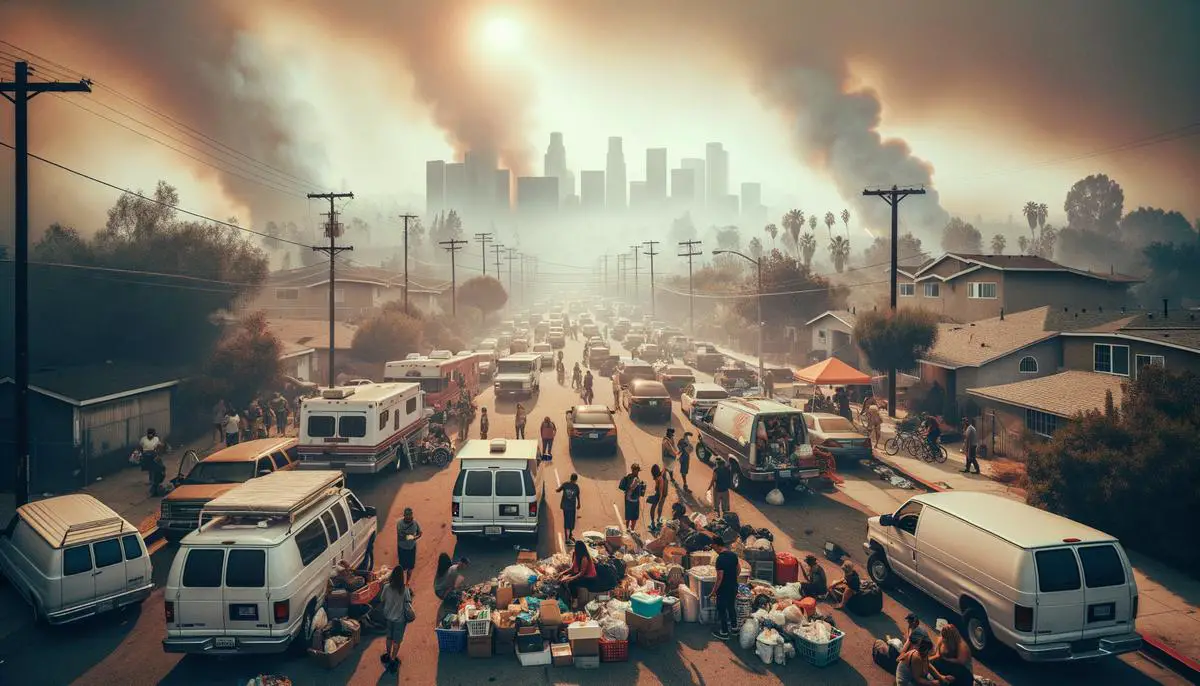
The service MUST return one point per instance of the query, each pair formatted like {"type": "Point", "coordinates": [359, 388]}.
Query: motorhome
{"type": "Point", "coordinates": [363, 429]}
{"type": "Point", "coordinates": [442, 375]}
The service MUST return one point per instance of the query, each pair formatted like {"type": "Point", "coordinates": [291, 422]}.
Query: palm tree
{"type": "Point", "coordinates": [756, 247]}
{"type": "Point", "coordinates": [846, 222]}
{"type": "Point", "coordinates": [839, 251]}
{"type": "Point", "coordinates": [808, 247]}
{"type": "Point", "coordinates": [793, 222]}
{"type": "Point", "coordinates": [1043, 213]}
{"type": "Point", "coordinates": [1023, 245]}
{"type": "Point", "coordinates": [998, 244]}
{"type": "Point", "coordinates": [830, 220]}
{"type": "Point", "coordinates": [1033, 214]}
{"type": "Point", "coordinates": [812, 222]}
{"type": "Point", "coordinates": [772, 231]}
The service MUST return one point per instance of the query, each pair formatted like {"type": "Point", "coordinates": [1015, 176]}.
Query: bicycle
{"type": "Point", "coordinates": [903, 439]}
{"type": "Point", "coordinates": [925, 452]}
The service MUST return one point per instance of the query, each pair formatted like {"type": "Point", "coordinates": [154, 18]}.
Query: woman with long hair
{"type": "Point", "coordinates": [398, 610]}
{"type": "Point", "coordinates": [449, 579]}
{"type": "Point", "coordinates": [915, 667]}
{"type": "Point", "coordinates": [952, 656]}
{"type": "Point", "coordinates": [582, 572]}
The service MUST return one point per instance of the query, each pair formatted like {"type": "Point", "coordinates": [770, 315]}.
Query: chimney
{"type": "Point", "coordinates": [1164, 308]}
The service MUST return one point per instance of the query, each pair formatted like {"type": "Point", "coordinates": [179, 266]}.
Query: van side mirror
{"type": "Point", "coordinates": [370, 510]}
{"type": "Point", "coordinates": [886, 520]}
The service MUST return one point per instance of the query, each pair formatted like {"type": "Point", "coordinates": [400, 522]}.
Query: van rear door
{"type": "Point", "coordinates": [110, 570]}
{"type": "Point", "coordinates": [475, 503]}
{"type": "Point", "coordinates": [1061, 602]}
{"type": "Point", "coordinates": [511, 501]}
{"type": "Point", "coordinates": [200, 601]}
{"type": "Point", "coordinates": [247, 610]}
{"type": "Point", "coordinates": [1109, 590]}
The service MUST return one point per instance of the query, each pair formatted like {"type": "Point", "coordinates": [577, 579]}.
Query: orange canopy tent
{"type": "Point", "coordinates": [832, 372]}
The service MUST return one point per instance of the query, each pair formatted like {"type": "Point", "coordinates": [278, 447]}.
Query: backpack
{"type": "Point", "coordinates": [867, 602]}
{"type": "Point", "coordinates": [885, 655]}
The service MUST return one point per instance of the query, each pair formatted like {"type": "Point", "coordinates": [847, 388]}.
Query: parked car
{"type": "Point", "coordinates": [1050, 588]}
{"type": "Point", "coordinates": [648, 399]}
{"type": "Point", "coordinates": [700, 395]}
{"type": "Point", "coordinates": [596, 356]}
{"type": "Point", "coordinates": [72, 556]}
{"type": "Point", "coordinates": [835, 435]}
{"type": "Point", "coordinates": [738, 380]}
{"type": "Point", "coordinates": [704, 357]}
{"type": "Point", "coordinates": [556, 337]}
{"type": "Point", "coordinates": [630, 368]}
{"type": "Point", "coordinates": [547, 353]}
{"type": "Point", "coordinates": [649, 352]}
{"type": "Point", "coordinates": [591, 426]}
{"type": "Point", "coordinates": [732, 429]}
{"type": "Point", "coordinates": [676, 378]}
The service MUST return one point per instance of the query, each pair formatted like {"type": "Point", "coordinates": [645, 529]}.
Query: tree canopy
{"type": "Point", "coordinates": [1095, 203]}
{"type": "Point", "coordinates": [245, 362]}
{"type": "Point", "coordinates": [484, 293]}
{"type": "Point", "coordinates": [895, 339]}
{"type": "Point", "coordinates": [389, 335]}
{"type": "Point", "coordinates": [961, 237]}
{"type": "Point", "coordinates": [880, 251]}
{"type": "Point", "coordinates": [1173, 272]}
{"type": "Point", "coordinates": [794, 293]}
{"type": "Point", "coordinates": [1147, 225]}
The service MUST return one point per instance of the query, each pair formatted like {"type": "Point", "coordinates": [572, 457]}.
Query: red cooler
{"type": "Point", "coordinates": [787, 568]}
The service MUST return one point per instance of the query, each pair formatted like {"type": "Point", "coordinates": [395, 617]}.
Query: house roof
{"type": "Point", "coordinates": [318, 274]}
{"type": "Point", "coordinates": [290, 350]}
{"type": "Point", "coordinates": [311, 333]}
{"type": "Point", "coordinates": [1016, 263]}
{"type": "Point", "coordinates": [977, 343]}
{"type": "Point", "coordinates": [85, 385]}
{"type": "Point", "coordinates": [1064, 394]}
{"type": "Point", "coordinates": [844, 316]}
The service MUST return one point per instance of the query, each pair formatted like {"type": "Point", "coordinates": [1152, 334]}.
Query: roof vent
{"type": "Point", "coordinates": [441, 355]}
{"type": "Point", "coordinates": [498, 445]}
{"type": "Point", "coordinates": [337, 393]}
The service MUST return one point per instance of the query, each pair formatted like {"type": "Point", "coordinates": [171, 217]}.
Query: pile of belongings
{"type": "Point", "coordinates": [779, 615]}
{"type": "Point", "coordinates": [269, 680]}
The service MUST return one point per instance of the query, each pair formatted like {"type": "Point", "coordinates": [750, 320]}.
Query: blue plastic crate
{"type": "Point", "coordinates": [452, 640]}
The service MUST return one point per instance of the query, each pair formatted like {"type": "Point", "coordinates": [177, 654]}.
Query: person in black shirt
{"type": "Point", "coordinates": [720, 486]}
{"type": "Point", "coordinates": [850, 584]}
{"type": "Point", "coordinates": [685, 458]}
{"type": "Point", "coordinates": [725, 590]}
{"type": "Point", "coordinates": [570, 505]}
{"type": "Point", "coordinates": [932, 433]}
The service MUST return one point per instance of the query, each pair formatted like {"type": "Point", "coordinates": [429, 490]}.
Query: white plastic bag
{"type": "Point", "coordinates": [320, 620]}
{"type": "Point", "coordinates": [775, 497]}
{"type": "Point", "coordinates": [749, 633]}
{"type": "Point", "coordinates": [793, 614]}
{"type": "Point", "coordinates": [781, 653]}
{"type": "Point", "coordinates": [700, 520]}
{"type": "Point", "coordinates": [517, 574]}
{"type": "Point", "coordinates": [778, 618]}
{"type": "Point", "coordinates": [765, 652]}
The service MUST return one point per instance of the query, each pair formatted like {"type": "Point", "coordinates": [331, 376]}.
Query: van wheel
{"type": "Point", "coordinates": [979, 631]}
{"type": "Point", "coordinates": [304, 636]}
{"type": "Point", "coordinates": [701, 452]}
{"type": "Point", "coordinates": [880, 571]}
{"type": "Point", "coordinates": [735, 478]}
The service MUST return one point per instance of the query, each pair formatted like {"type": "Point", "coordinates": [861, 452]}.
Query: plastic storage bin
{"type": "Point", "coordinates": [787, 568]}
{"type": "Point", "coordinates": [646, 605]}
{"type": "Point", "coordinates": [481, 626]}
{"type": "Point", "coordinates": [451, 640]}
{"type": "Point", "coordinates": [614, 651]}
{"type": "Point", "coordinates": [820, 654]}
{"type": "Point", "coordinates": [537, 658]}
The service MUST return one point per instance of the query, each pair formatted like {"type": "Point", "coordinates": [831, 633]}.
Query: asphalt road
{"type": "Point", "coordinates": [126, 648]}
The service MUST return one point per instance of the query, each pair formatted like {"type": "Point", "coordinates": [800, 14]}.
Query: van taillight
{"type": "Point", "coordinates": [169, 608]}
{"type": "Point", "coordinates": [1135, 607]}
{"type": "Point", "coordinates": [533, 508]}
{"type": "Point", "coordinates": [282, 611]}
{"type": "Point", "coordinates": [1023, 618]}
{"type": "Point", "coordinates": [453, 509]}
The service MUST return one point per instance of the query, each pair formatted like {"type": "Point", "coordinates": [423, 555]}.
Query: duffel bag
{"type": "Point", "coordinates": [885, 655]}
{"type": "Point", "coordinates": [733, 520]}
{"type": "Point", "coordinates": [867, 602]}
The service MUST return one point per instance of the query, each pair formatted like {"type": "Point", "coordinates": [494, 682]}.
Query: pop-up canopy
{"type": "Point", "coordinates": [832, 372]}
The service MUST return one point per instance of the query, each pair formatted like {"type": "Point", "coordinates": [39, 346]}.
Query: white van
{"type": "Point", "coordinates": [72, 557]}
{"type": "Point", "coordinates": [1050, 588]}
{"type": "Point", "coordinates": [251, 578]}
{"type": "Point", "coordinates": [495, 492]}
{"type": "Point", "coordinates": [518, 374]}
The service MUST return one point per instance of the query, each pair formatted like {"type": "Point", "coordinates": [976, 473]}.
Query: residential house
{"type": "Point", "coordinates": [969, 288]}
{"type": "Point", "coordinates": [312, 335]}
{"type": "Point", "coordinates": [298, 361]}
{"type": "Point", "coordinates": [304, 293]}
{"type": "Point", "coordinates": [86, 420]}
{"type": "Point", "coordinates": [833, 336]}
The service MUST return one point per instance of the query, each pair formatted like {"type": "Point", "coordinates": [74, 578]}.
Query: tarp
{"type": "Point", "coordinates": [830, 372]}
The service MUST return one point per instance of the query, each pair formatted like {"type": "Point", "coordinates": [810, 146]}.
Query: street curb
{"type": "Point", "coordinates": [1151, 645]}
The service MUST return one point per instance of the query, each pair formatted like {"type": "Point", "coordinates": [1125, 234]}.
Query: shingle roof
{"type": "Point", "coordinates": [1064, 394]}
{"type": "Point", "coordinates": [977, 343]}
{"type": "Point", "coordinates": [317, 274]}
{"type": "Point", "coordinates": [311, 333]}
{"type": "Point", "coordinates": [1023, 263]}
{"type": "Point", "coordinates": [89, 384]}
{"type": "Point", "coordinates": [844, 316]}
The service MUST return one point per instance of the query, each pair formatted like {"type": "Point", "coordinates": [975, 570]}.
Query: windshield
{"type": "Point", "coordinates": [592, 418]}
{"type": "Point", "coordinates": [512, 367]}
{"type": "Point", "coordinates": [835, 424]}
{"type": "Point", "coordinates": [221, 473]}
{"type": "Point", "coordinates": [542, 348]}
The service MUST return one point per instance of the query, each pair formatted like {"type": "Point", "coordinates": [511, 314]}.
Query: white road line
{"type": "Point", "coordinates": [556, 479]}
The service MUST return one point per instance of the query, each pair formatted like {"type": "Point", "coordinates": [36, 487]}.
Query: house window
{"type": "Point", "coordinates": [339, 295]}
{"type": "Point", "coordinates": [907, 290]}
{"type": "Point", "coordinates": [933, 290]}
{"type": "Point", "coordinates": [1041, 423]}
{"type": "Point", "coordinates": [981, 290]}
{"type": "Point", "coordinates": [1140, 361]}
{"type": "Point", "coordinates": [821, 334]}
{"type": "Point", "coordinates": [1029, 365]}
{"type": "Point", "coordinates": [287, 293]}
{"type": "Point", "coordinates": [1111, 359]}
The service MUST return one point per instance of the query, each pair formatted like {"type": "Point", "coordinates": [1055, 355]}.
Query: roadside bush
{"type": "Point", "coordinates": [389, 335]}
{"type": "Point", "coordinates": [1131, 473]}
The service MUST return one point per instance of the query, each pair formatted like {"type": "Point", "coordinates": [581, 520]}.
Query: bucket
{"type": "Point", "coordinates": [690, 603]}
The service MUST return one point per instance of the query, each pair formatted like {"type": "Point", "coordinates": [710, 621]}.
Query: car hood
{"type": "Point", "coordinates": [198, 492]}
{"type": "Point", "coordinates": [512, 377]}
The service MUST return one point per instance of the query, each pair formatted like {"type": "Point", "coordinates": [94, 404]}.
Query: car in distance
{"type": "Point", "coordinates": [648, 399]}
{"type": "Point", "coordinates": [702, 395]}
{"type": "Point", "coordinates": [676, 377]}
{"type": "Point", "coordinates": [649, 352]}
{"type": "Point", "coordinates": [835, 435]}
{"type": "Point", "coordinates": [630, 368]}
{"type": "Point", "coordinates": [557, 338]}
{"type": "Point", "coordinates": [591, 426]}
{"type": "Point", "coordinates": [547, 353]}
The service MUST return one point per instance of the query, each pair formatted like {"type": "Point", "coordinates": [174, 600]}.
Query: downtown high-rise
{"type": "Point", "coordinates": [615, 175]}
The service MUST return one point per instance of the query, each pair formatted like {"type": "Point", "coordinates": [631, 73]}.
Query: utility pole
{"type": "Point", "coordinates": [651, 253]}
{"type": "Point", "coordinates": [690, 251]}
{"type": "Point", "coordinates": [406, 218]}
{"type": "Point", "coordinates": [332, 229]}
{"type": "Point", "coordinates": [496, 248]}
{"type": "Point", "coordinates": [892, 196]}
{"type": "Point", "coordinates": [621, 270]}
{"type": "Point", "coordinates": [19, 92]}
{"type": "Point", "coordinates": [484, 239]}
{"type": "Point", "coordinates": [636, 290]}
{"type": "Point", "coordinates": [512, 255]}
{"type": "Point", "coordinates": [453, 246]}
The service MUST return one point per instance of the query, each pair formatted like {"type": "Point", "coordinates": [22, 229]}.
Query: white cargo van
{"type": "Point", "coordinates": [251, 577]}
{"type": "Point", "coordinates": [496, 492]}
{"type": "Point", "coordinates": [1050, 588]}
{"type": "Point", "coordinates": [72, 557]}
{"type": "Point", "coordinates": [518, 374]}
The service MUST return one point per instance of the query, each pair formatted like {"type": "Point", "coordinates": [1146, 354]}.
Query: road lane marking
{"type": "Point", "coordinates": [556, 479]}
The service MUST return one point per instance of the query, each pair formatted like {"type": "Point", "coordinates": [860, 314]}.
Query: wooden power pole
{"type": "Point", "coordinates": [333, 229]}
{"type": "Point", "coordinates": [406, 218]}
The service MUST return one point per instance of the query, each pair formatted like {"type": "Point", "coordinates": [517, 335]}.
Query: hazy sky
{"type": "Point", "coordinates": [1006, 102]}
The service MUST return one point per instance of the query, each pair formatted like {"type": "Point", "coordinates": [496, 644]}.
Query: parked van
{"type": "Point", "coordinates": [251, 578]}
{"type": "Point", "coordinates": [1047, 587]}
{"type": "Point", "coordinates": [732, 428]}
{"type": "Point", "coordinates": [200, 481]}
{"type": "Point", "coordinates": [518, 374]}
{"type": "Point", "coordinates": [72, 557]}
{"type": "Point", "coordinates": [495, 492]}
{"type": "Point", "coordinates": [361, 430]}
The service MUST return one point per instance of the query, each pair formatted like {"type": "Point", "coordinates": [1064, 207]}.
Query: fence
{"type": "Point", "coordinates": [999, 440]}
{"type": "Point", "coordinates": [106, 447]}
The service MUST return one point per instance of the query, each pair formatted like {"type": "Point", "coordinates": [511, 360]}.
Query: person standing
{"type": "Point", "coordinates": [725, 590]}
{"type": "Point", "coordinates": [548, 431]}
{"type": "Point", "coordinates": [232, 427]}
{"type": "Point", "coordinates": [874, 423]}
{"type": "Point", "coordinates": [483, 423]}
{"type": "Point", "coordinates": [398, 611]}
{"type": "Point", "coordinates": [519, 421]}
{"type": "Point", "coordinates": [969, 446]}
{"type": "Point", "coordinates": [721, 480]}
{"type": "Point", "coordinates": [220, 410]}
{"type": "Point", "coordinates": [634, 489]}
{"type": "Point", "coordinates": [151, 446]}
{"type": "Point", "coordinates": [657, 500]}
{"type": "Point", "coordinates": [570, 505]}
{"type": "Point", "coordinates": [685, 458]}
{"type": "Point", "coordinates": [408, 532]}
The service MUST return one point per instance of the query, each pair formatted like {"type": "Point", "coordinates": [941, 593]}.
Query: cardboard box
{"type": "Point", "coordinates": [529, 639]}
{"type": "Point", "coordinates": [479, 646]}
{"type": "Point", "coordinates": [520, 590]}
{"type": "Point", "coordinates": [702, 557]}
{"type": "Point", "coordinates": [560, 654]}
{"type": "Point", "coordinates": [585, 647]}
{"type": "Point", "coordinates": [582, 630]}
{"type": "Point", "coordinates": [674, 555]}
{"type": "Point", "coordinates": [504, 596]}
{"type": "Point", "coordinates": [550, 632]}
{"type": "Point", "coordinates": [548, 613]}
{"type": "Point", "coordinates": [639, 624]}
{"type": "Point", "coordinates": [587, 662]}
{"type": "Point", "coordinates": [506, 634]}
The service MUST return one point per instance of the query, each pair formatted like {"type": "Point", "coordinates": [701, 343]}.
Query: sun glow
{"type": "Point", "coordinates": [502, 33]}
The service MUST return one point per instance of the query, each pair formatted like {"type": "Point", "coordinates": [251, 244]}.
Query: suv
{"type": "Point", "coordinates": [495, 493]}
{"type": "Point", "coordinates": [704, 357]}
{"type": "Point", "coordinates": [200, 481]}
{"type": "Point", "coordinates": [629, 369]}
{"type": "Point", "coordinates": [700, 396]}
{"type": "Point", "coordinates": [250, 580]}
{"type": "Point", "coordinates": [557, 337]}
{"type": "Point", "coordinates": [518, 374]}
{"type": "Point", "coordinates": [764, 441]}
{"type": "Point", "coordinates": [72, 557]}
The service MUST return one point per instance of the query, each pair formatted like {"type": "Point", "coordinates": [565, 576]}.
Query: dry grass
{"type": "Point", "coordinates": [1008, 472]}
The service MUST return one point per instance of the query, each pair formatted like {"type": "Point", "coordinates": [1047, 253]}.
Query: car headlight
{"type": "Point", "coordinates": [526, 384]}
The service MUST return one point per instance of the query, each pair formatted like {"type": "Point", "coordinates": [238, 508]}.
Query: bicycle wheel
{"type": "Point", "coordinates": [912, 446]}
{"type": "Point", "coordinates": [891, 446]}
{"type": "Point", "coordinates": [942, 455]}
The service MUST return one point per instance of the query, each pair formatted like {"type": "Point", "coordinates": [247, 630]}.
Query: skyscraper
{"type": "Point", "coordinates": [555, 164]}
{"type": "Point", "coordinates": [456, 186]}
{"type": "Point", "coordinates": [615, 178]}
{"type": "Point", "coordinates": [435, 186]}
{"type": "Point", "coordinates": [656, 175]}
{"type": "Point", "coordinates": [638, 197]}
{"type": "Point", "coordinates": [503, 192]}
{"type": "Point", "coordinates": [591, 190]}
{"type": "Point", "coordinates": [683, 188]}
{"type": "Point", "coordinates": [697, 166]}
{"type": "Point", "coordinates": [537, 194]}
{"type": "Point", "coordinates": [717, 164]}
{"type": "Point", "coordinates": [751, 196]}
{"type": "Point", "coordinates": [481, 178]}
